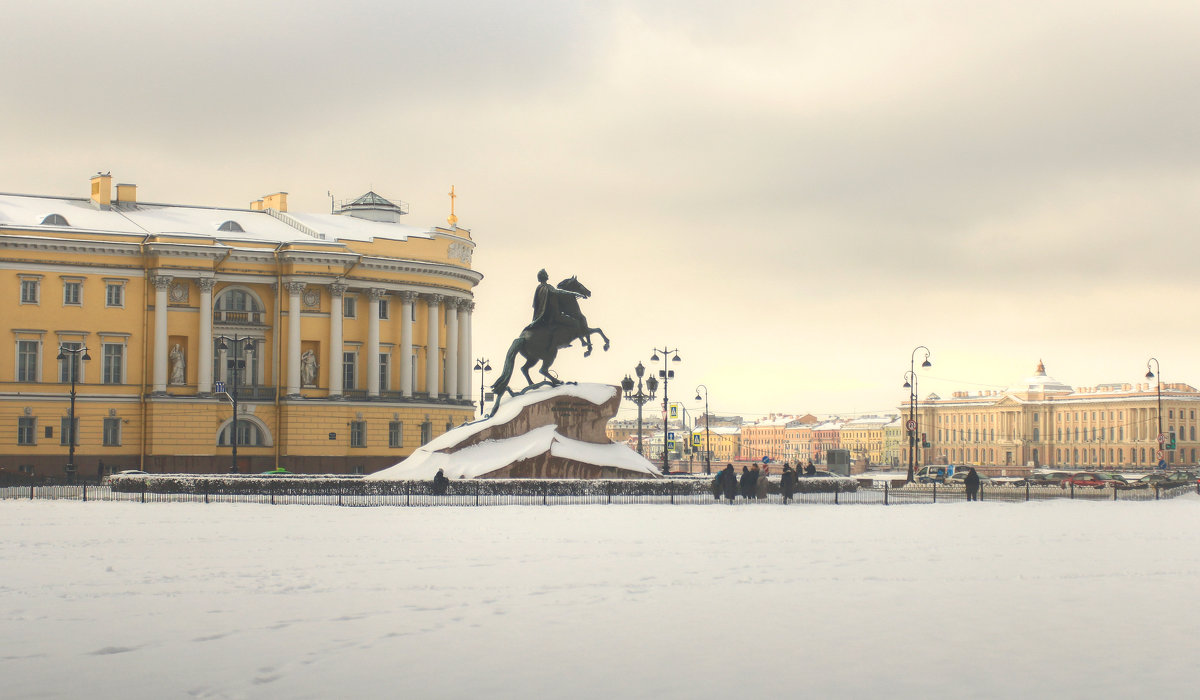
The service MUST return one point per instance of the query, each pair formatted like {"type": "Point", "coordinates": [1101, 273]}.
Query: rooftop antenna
{"type": "Point", "coordinates": [330, 196]}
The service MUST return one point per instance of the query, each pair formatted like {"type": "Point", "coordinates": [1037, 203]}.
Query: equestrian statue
{"type": "Point", "coordinates": [557, 322]}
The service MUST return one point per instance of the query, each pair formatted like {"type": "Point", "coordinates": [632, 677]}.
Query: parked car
{"type": "Point", "coordinates": [131, 471]}
{"type": "Point", "coordinates": [279, 470]}
{"type": "Point", "coordinates": [1047, 478]}
{"type": "Point", "coordinates": [1113, 480]}
{"type": "Point", "coordinates": [1084, 479]}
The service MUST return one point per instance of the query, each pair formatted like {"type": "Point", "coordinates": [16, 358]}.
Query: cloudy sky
{"type": "Point", "coordinates": [794, 194]}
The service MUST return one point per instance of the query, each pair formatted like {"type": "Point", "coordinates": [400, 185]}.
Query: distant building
{"type": "Point", "coordinates": [1043, 422]}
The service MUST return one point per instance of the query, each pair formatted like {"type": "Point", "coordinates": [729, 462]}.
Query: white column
{"type": "Point", "coordinates": [406, 345]}
{"type": "Point", "coordinates": [334, 368]}
{"type": "Point", "coordinates": [464, 348]}
{"type": "Point", "coordinates": [373, 341]}
{"type": "Point", "coordinates": [161, 284]}
{"type": "Point", "coordinates": [204, 382]}
{"type": "Point", "coordinates": [294, 290]}
{"type": "Point", "coordinates": [432, 356]}
{"type": "Point", "coordinates": [451, 348]}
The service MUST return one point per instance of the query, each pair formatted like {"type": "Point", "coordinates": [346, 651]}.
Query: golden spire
{"type": "Point", "coordinates": [452, 219]}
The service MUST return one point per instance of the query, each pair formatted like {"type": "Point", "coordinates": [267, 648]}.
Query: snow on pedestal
{"type": "Point", "coordinates": [549, 433]}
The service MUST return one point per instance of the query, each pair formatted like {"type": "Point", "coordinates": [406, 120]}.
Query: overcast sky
{"type": "Point", "coordinates": [794, 194]}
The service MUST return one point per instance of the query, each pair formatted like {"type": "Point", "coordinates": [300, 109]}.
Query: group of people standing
{"type": "Point", "coordinates": [753, 483]}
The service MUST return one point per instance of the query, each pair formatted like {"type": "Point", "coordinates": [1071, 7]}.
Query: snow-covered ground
{"type": "Point", "coordinates": [1062, 599]}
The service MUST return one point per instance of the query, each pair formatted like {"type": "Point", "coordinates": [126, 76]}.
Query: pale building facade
{"type": "Point", "coordinates": [1045, 423]}
{"type": "Point", "coordinates": [346, 337]}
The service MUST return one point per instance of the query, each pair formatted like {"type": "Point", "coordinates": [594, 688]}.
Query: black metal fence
{"type": "Point", "coordinates": [478, 494]}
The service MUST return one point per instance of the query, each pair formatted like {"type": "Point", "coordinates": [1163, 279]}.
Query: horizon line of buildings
{"type": "Point", "coordinates": [1041, 423]}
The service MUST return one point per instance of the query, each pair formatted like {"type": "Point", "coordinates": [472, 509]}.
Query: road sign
{"type": "Point", "coordinates": [912, 425]}
{"type": "Point", "coordinates": [671, 436]}
{"type": "Point", "coordinates": [1161, 456]}
{"type": "Point", "coordinates": [1162, 437]}
{"type": "Point", "coordinates": [696, 439]}
{"type": "Point", "coordinates": [218, 387]}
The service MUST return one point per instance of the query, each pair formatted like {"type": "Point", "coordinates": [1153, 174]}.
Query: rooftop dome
{"type": "Point", "coordinates": [374, 207]}
{"type": "Point", "coordinates": [1039, 383]}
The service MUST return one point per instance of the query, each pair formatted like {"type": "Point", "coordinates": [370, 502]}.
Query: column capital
{"type": "Point", "coordinates": [410, 297]}
{"type": "Point", "coordinates": [433, 298]}
{"type": "Point", "coordinates": [337, 289]}
{"type": "Point", "coordinates": [466, 305]}
{"type": "Point", "coordinates": [206, 283]}
{"type": "Point", "coordinates": [296, 288]}
{"type": "Point", "coordinates": [161, 282]}
{"type": "Point", "coordinates": [376, 293]}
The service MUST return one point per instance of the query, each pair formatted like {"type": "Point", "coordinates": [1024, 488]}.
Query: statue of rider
{"type": "Point", "coordinates": [545, 302]}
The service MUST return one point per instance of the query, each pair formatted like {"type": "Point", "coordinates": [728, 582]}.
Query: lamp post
{"type": "Point", "coordinates": [666, 375]}
{"type": "Point", "coordinates": [239, 362]}
{"type": "Point", "coordinates": [707, 420]}
{"type": "Point", "coordinates": [913, 426]}
{"type": "Point", "coordinates": [1158, 387]}
{"type": "Point", "coordinates": [640, 398]}
{"type": "Point", "coordinates": [72, 352]}
{"type": "Point", "coordinates": [482, 365]}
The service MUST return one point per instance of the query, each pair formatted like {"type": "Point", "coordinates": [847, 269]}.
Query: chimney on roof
{"type": "Point", "coordinates": [102, 188]}
{"type": "Point", "coordinates": [126, 194]}
{"type": "Point", "coordinates": [277, 201]}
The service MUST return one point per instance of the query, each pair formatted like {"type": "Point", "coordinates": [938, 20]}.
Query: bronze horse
{"type": "Point", "coordinates": [541, 343]}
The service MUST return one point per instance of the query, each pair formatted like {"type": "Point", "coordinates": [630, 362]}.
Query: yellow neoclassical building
{"type": "Point", "coordinates": [1045, 423]}
{"type": "Point", "coordinates": [345, 336]}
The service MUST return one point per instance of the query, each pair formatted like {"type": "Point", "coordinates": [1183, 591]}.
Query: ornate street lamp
{"type": "Point", "coordinates": [238, 363]}
{"type": "Point", "coordinates": [1158, 385]}
{"type": "Point", "coordinates": [707, 420]}
{"type": "Point", "coordinates": [74, 353]}
{"type": "Point", "coordinates": [913, 427]}
{"type": "Point", "coordinates": [481, 366]}
{"type": "Point", "coordinates": [640, 398]}
{"type": "Point", "coordinates": [666, 375]}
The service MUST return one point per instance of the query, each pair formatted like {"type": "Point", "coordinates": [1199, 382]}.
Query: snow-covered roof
{"type": "Point", "coordinates": [143, 218]}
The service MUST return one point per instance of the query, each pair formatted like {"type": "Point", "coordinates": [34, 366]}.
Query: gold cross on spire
{"type": "Point", "coordinates": [452, 219]}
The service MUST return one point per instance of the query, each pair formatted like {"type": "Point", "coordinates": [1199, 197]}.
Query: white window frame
{"type": "Point", "coordinates": [352, 384]}
{"type": "Point", "coordinates": [104, 373]}
{"type": "Point", "coordinates": [31, 422]}
{"type": "Point", "coordinates": [37, 361]}
{"type": "Point", "coordinates": [113, 423]}
{"type": "Point", "coordinates": [358, 434]}
{"type": "Point", "coordinates": [68, 283]}
{"type": "Point", "coordinates": [66, 362]}
{"type": "Point", "coordinates": [109, 286]}
{"type": "Point", "coordinates": [349, 306]}
{"type": "Point", "coordinates": [32, 283]}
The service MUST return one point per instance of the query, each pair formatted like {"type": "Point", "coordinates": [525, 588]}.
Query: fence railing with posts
{"type": "Point", "coordinates": [566, 492]}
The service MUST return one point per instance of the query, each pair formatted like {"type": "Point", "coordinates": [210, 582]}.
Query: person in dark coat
{"type": "Point", "coordinates": [810, 470]}
{"type": "Point", "coordinates": [440, 482]}
{"type": "Point", "coordinates": [972, 484]}
{"type": "Point", "coordinates": [746, 486]}
{"type": "Point", "coordinates": [729, 482]}
{"type": "Point", "coordinates": [718, 486]}
{"type": "Point", "coordinates": [787, 483]}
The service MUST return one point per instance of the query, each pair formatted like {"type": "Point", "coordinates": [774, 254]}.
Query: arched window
{"type": "Point", "coordinates": [251, 433]}
{"type": "Point", "coordinates": [237, 305]}
{"type": "Point", "coordinates": [232, 226]}
{"type": "Point", "coordinates": [55, 220]}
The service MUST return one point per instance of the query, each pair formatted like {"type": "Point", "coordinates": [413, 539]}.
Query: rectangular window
{"type": "Point", "coordinates": [427, 432]}
{"type": "Point", "coordinates": [114, 363]}
{"type": "Point", "coordinates": [350, 307]}
{"type": "Point", "coordinates": [384, 363]}
{"type": "Point", "coordinates": [114, 295]}
{"type": "Point", "coordinates": [65, 433]}
{"type": "Point", "coordinates": [358, 433]}
{"type": "Point", "coordinates": [112, 431]}
{"type": "Point", "coordinates": [72, 293]}
{"type": "Point", "coordinates": [69, 368]}
{"type": "Point", "coordinates": [396, 434]}
{"type": "Point", "coordinates": [30, 291]}
{"type": "Point", "coordinates": [26, 430]}
{"type": "Point", "coordinates": [27, 361]}
{"type": "Point", "coordinates": [349, 362]}
{"type": "Point", "coordinates": [383, 309]}
{"type": "Point", "coordinates": [358, 469]}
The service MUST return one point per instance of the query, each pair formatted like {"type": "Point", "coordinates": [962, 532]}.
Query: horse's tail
{"type": "Point", "coordinates": [510, 362]}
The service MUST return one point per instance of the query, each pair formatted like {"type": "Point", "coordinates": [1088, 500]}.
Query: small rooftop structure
{"type": "Point", "coordinates": [374, 207]}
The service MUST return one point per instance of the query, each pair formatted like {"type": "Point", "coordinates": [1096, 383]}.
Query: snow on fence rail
{"type": "Point", "coordinates": [566, 492]}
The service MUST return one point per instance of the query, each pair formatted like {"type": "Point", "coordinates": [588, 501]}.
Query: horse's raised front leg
{"type": "Point", "coordinates": [597, 330]}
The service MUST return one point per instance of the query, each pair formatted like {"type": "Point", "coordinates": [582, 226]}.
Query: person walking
{"type": "Point", "coordinates": [729, 482]}
{"type": "Point", "coordinates": [787, 483]}
{"type": "Point", "coordinates": [972, 483]}
{"type": "Point", "coordinates": [440, 482]}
